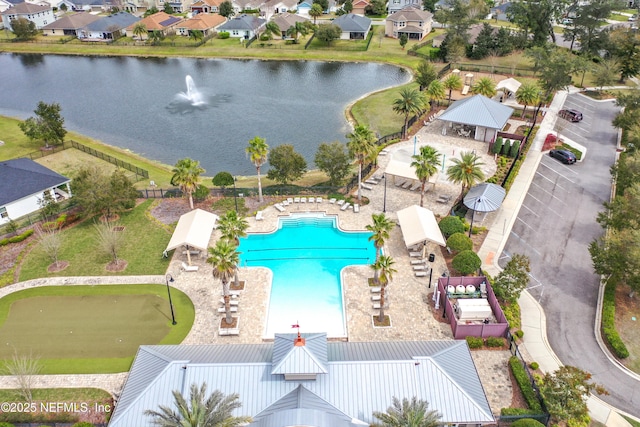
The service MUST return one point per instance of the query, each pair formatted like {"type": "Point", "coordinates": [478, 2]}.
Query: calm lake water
{"type": "Point", "coordinates": [143, 104]}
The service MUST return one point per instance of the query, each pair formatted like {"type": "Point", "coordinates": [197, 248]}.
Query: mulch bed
{"type": "Point", "coordinates": [233, 287]}
{"type": "Point", "coordinates": [232, 325]}
{"type": "Point", "coordinates": [59, 266]}
{"type": "Point", "coordinates": [115, 266]}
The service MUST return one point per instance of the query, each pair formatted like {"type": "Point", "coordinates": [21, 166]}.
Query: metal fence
{"type": "Point", "coordinates": [160, 193]}
{"type": "Point", "coordinates": [494, 69]}
{"type": "Point", "coordinates": [121, 164]}
{"type": "Point", "coordinates": [49, 151]}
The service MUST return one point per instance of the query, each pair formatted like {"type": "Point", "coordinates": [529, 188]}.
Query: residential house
{"type": "Point", "coordinates": [178, 6]}
{"type": "Point", "coordinates": [243, 26]}
{"type": "Point", "coordinates": [69, 25]}
{"type": "Point", "coordinates": [359, 7]}
{"type": "Point", "coordinates": [274, 7]}
{"type": "Point", "coordinates": [240, 6]}
{"type": "Point", "coordinates": [206, 6]}
{"type": "Point", "coordinates": [160, 21]}
{"type": "Point", "coordinates": [354, 27]}
{"type": "Point", "coordinates": [205, 22]}
{"type": "Point", "coordinates": [412, 21]}
{"type": "Point", "coordinates": [304, 7]}
{"type": "Point", "coordinates": [96, 5]}
{"type": "Point", "coordinates": [394, 6]}
{"type": "Point", "coordinates": [306, 380]}
{"type": "Point", "coordinates": [39, 15]}
{"type": "Point", "coordinates": [4, 5]}
{"type": "Point", "coordinates": [23, 184]}
{"type": "Point", "coordinates": [284, 21]}
{"type": "Point", "coordinates": [137, 6]}
{"type": "Point", "coordinates": [108, 27]}
{"type": "Point", "coordinates": [499, 12]}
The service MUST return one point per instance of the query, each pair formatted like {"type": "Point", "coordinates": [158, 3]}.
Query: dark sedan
{"type": "Point", "coordinates": [565, 156]}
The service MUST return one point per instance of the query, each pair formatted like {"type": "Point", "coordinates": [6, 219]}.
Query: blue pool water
{"type": "Point", "coordinates": [306, 255]}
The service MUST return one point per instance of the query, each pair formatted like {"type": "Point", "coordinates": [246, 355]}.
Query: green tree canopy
{"type": "Point", "coordinates": [361, 147]}
{"type": "Point", "coordinates": [403, 39]}
{"type": "Point", "coordinates": [528, 94]}
{"type": "Point", "coordinates": [484, 86]}
{"type": "Point", "coordinates": [286, 164]}
{"type": "Point", "coordinates": [47, 125]}
{"type": "Point", "coordinates": [451, 83]}
{"type": "Point", "coordinates": [408, 413]}
{"type": "Point", "coordinates": [226, 9]}
{"type": "Point", "coordinates": [411, 101]}
{"type": "Point", "coordinates": [425, 74]}
{"type": "Point", "coordinates": [466, 170]}
{"type": "Point", "coordinates": [186, 175]}
{"type": "Point", "coordinates": [626, 50]}
{"type": "Point", "coordinates": [513, 279]}
{"type": "Point", "coordinates": [258, 152]}
{"type": "Point", "coordinates": [98, 193]}
{"type": "Point", "coordinates": [426, 165]}
{"type": "Point", "coordinates": [328, 33]}
{"type": "Point", "coordinates": [24, 29]}
{"type": "Point", "coordinates": [315, 12]}
{"type": "Point", "coordinates": [334, 160]}
{"type": "Point", "coordinates": [224, 259]}
{"type": "Point", "coordinates": [223, 179]}
{"type": "Point", "coordinates": [466, 262]}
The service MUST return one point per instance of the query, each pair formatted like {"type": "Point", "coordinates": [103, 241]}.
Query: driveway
{"type": "Point", "coordinates": [554, 228]}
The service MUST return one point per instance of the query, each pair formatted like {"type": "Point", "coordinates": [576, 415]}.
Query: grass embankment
{"type": "Point", "coordinates": [91, 329]}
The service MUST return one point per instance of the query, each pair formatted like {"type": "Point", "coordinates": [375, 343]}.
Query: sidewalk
{"type": "Point", "coordinates": [533, 318]}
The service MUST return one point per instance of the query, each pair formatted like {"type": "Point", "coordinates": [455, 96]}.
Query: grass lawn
{"type": "Point", "coordinates": [91, 329]}
{"type": "Point", "coordinates": [81, 249]}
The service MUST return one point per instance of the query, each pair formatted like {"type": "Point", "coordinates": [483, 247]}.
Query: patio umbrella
{"type": "Point", "coordinates": [485, 197]}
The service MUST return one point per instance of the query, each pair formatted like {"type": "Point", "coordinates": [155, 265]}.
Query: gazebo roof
{"type": "Point", "coordinates": [419, 224]}
{"type": "Point", "coordinates": [510, 84]}
{"type": "Point", "coordinates": [478, 111]}
{"type": "Point", "coordinates": [194, 229]}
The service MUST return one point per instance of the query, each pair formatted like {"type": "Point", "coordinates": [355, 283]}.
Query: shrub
{"type": "Point", "coordinates": [264, 37]}
{"type": "Point", "coordinates": [517, 411]}
{"type": "Point", "coordinates": [609, 331]}
{"type": "Point", "coordinates": [459, 242]}
{"type": "Point", "coordinates": [506, 147]}
{"type": "Point", "coordinates": [512, 313]}
{"type": "Point", "coordinates": [495, 342]}
{"type": "Point", "coordinates": [466, 262]}
{"type": "Point", "coordinates": [519, 333]}
{"type": "Point", "coordinates": [49, 226]}
{"type": "Point", "coordinates": [16, 239]}
{"type": "Point", "coordinates": [201, 193]}
{"type": "Point", "coordinates": [515, 147]}
{"type": "Point", "coordinates": [223, 35]}
{"type": "Point", "coordinates": [534, 365]}
{"type": "Point", "coordinates": [450, 225]}
{"type": "Point", "coordinates": [475, 342]}
{"type": "Point", "coordinates": [61, 220]}
{"type": "Point", "coordinates": [6, 425]}
{"type": "Point", "coordinates": [527, 422]}
{"type": "Point", "coordinates": [524, 383]}
{"type": "Point", "coordinates": [497, 146]}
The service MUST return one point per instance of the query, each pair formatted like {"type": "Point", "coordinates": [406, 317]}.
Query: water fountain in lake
{"type": "Point", "coordinates": [192, 99]}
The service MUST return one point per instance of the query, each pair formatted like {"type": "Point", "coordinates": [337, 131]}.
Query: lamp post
{"type": "Point", "coordinates": [384, 201]}
{"type": "Point", "coordinates": [169, 278]}
{"type": "Point", "coordinates": [235, 194]}
{"type": "Point", "coordinates": [473, 214]}
{"type": "Point", "coordinates": [444, 302]}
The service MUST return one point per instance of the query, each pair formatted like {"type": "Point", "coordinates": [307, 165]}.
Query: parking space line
{"type": "Point", "coordinates": [557, 172]}
{"type": "Point", "coordinates": [529, 209]}
{"type": "Point", "coordinates": [551, 181]}
{"type": "Point", "coordinates": [525, 242]}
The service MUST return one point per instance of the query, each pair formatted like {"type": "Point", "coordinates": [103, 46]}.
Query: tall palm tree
{"type": "Point", "coordinates": [466, 170]}
{"type": "Point", "coordinates": [139, 30]}
{"type": "Point", "coordinates": [484, 86]}
{"type": "Point", "coordinates": [186, 175]}
{"type": "Point", "coordinates": [360, 146]}
{"type": "Point", "coordinates": [380, 233]}
{"type": "Point", "coordinates": [436, 91]}
{"type": "Point", "coordinates": [426, 164]}
{"type": "Point", "coordinates": [296, 30]}
{"type": "Point", "coordinates": [452, 82]}
{"type": "Point", "coordinates": [271, 29]}
{"type": "Point", "coordinates": [383, 265]}
{"type": "Point", "coordinates": [232, 228]}
{"type": "Point", "coordinates": [411, 101]}
{"type": "Point", "coordinates": [224, 258]}
{"type": "Point", "coordinates": [258, 152]}
{"type": "Point", "coordinates": [528, 94]}
{"type": "Point", "coordinates": [408, 413]}
{"type": "Point", "coordinates": [196, 35]}
{"type": "Point", "coordinates": [200, 411]}
{"type": "Point", "coordinates": [315, 12]}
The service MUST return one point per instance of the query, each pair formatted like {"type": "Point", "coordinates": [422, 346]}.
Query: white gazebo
{"type": "Point", "coordinates": [510, 86]}
{"type": "Point", "coordinates": [419, 225]}
{"type": "Point", "coordinates": [193, 231]}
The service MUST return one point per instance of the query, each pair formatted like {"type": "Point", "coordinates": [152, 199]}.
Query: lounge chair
{"type": "Point", "coordinates": [401, 183]}
{"type": "Point", "coordinates": [375, 289]}
{"type": "Point", "coordinates": [419, 267]}
{"type": "Point", "coordinates": [356, 208]}
{"type": "Point", "coordinates": [376, 297]}
{"type": "Point", "coordinates": [233, 309]}
{"type": "Point", "coordinates": [232, 294]}
{"type": "Point", "coordinates": [421, 274]}
{"type": "Point", "coordinates": [186, 267]}
{"type": "Point", "coordinates": [376, 305]}
{"type": "Point", "coordinates": [465, 89]}
{"type": "Point", "coordinates": [417, 262]}
{"type": "Point", "coordinates": [371, 181]}
{"type": "Point", "coordinates": [443, 198]}
{"type": "Point", "coordinates": [415, 186]}
{"type": "Point", "coordinates": [415, 254]}
{"type": "Point", "coordinates": [232, 302]}
{"type": "Point", "coordinates": [406, 185]}
{"type": "Point", "coordinates": [290, 200]}
{"type": "Point", "coordinates": [341, 202]}
{"type": "Point", "coordinates": [259, 216]}
{"type": "Point", "coordinates": [285, 203]}
{"type": "Point", "coordinates": [365, 186]}
{"type": "Point", "coordinates": [303, 200]}
{"type": "Point", "coordinates": [345, 206]}
{"type": "Point", "coordinates": [279, 207]}
{"type": "Point", "coordinates": [318, 199]}
{"type": "Point", "coordinates": [312, 199]}
{"type": "Point", "coordinates": [296, 199]}
{"type": "Point", "coordinates": [383, 152]}
{"type": "Point", "coordinates": [332, 200]}
{"type": "Point", "coordinates": [228, 332]}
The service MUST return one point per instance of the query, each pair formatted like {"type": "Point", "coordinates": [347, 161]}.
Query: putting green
{"type": "Point", "coordinates": [84, 323]}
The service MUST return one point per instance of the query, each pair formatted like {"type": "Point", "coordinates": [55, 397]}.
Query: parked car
{"type": "Point", "coordinates": [571, 115]}
{"type": "Point", "coordinates": [565, 156]}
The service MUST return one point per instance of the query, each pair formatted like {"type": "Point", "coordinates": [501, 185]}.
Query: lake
{"type": "Point", "coordinates": [144, 104]}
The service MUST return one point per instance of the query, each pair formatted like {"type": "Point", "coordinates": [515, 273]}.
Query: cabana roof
{"type": "Point", "coordinates": [419, 224]}
{"type": "Point", "coordinates": [510, 84]}
{"type": "Point", "coordinates": [194, 230]}
{"type": "Point", "coordinates": [478, 111]}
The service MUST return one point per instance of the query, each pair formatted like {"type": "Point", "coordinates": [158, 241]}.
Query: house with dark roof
{"type": "Point", "coordinates": [39, 15]}
{"type": "Point", "coordinates": [284, 21]}
{"type": "Point", "coordinates": [354, 27]}
{"type": "Point", "coordinates": [23, 184]}
{"type": "Point", "coordinates": [306, 380]}
{"type": "Point", "coordinates": [160, 21]}
{"type": "Point", "coordinates": [394, 6]}
{"type": "Point", "coordinates": [108, 27]}
{"type": "Point", "coordinates": [69, 25]}
{"type": "Point", "coordinates": [205, 22]}
{"type": "Point", "coordinates": [499, 12]}
{"type": "Point", "coordinates": [412, 21]}
{"type": "Point", "coordinates": [243, 26]}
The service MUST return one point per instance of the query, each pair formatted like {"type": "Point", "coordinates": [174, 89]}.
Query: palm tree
{"type": "Point", "coordinates": [384, 269]}
{"type": "Point", "coordinates": [186, 175]}
{"type": "Point", "coordinates": [408, 413]}
{"type": "Point", "coordinates": [297, 29]}
{"type": "Point", "coordinates": [528, 94]}
{"type": "Point", "coordinates": [426, 164]}
{"type": "Point", "coordinates": [484, 86]}
{"type": "Point", "coordinates": [272, 29]}
{"type": "Point", "coordinates": [436, 91]}
{"type": "Point", "coordinates": [232, 228]}
{"type": "Point", "coordinates": [224, 259]}
{"type": "Point", "coordinates": [258, 152]}
{"type": "Point", "coordinates": [315, 12]}
{"type": "Point", "coordinates": [411, 101]}
{"type": "Point", "coordinates": [196, 35]}
{"type": "Point", "coordinates": [466, 170]}
{"type": "Point", "coordinates": [200, 411]}
{"type": "Point", "coordinates": [452, 82]}
{"type": "Point", "coordinates": [139, 30]}
{"type": "Point", "coordinates": [360, 146]}
{"type": "Point", "coordinates": [380, 232]}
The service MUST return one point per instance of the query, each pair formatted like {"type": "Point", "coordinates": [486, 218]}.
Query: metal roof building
{"type": "Point", "coordinates": [487, 115]}
{"type": "Point", "coordinates": [306, 380]}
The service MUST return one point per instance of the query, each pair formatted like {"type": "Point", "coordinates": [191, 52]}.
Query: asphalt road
{"type": "Point", "coordinates": [554, 227]}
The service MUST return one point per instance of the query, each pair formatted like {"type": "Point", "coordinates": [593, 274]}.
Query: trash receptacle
{"type": "Point", "coordinates": [432, 257]}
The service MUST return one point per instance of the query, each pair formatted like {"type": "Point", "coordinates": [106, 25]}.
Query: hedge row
{"type": "Point", "coordinates": [524, 383]}
{"type": "Point", "coordinates": [16, 239]}
{"type": "Point", "coordinates": [479, 342]}
{"type": "Point", "coordinates": [609, 321]}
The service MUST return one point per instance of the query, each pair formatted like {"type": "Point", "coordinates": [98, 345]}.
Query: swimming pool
{"type": "Point", "coordinates": [306, 255]}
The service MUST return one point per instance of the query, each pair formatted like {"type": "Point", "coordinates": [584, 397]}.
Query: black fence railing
{"type": "Point", "coordinates": [144, 174]}
{"type": "Point", "coordinates": [52, 149]}
{"type": "Point", "coordinates": [487, 68]}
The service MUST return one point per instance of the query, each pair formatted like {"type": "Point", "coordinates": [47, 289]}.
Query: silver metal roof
{"type": "Point", "coordinates": [478, 110]}
{"type": "Point", "coordinates": [361, 378]}
{"type": "Point", "coordinates": [485, 197]}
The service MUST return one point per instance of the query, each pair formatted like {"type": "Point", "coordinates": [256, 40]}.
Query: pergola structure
{"type": "Point", "coordinates": [419, 225]}
{"type": "Point", "coordinates": [193, 231]}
